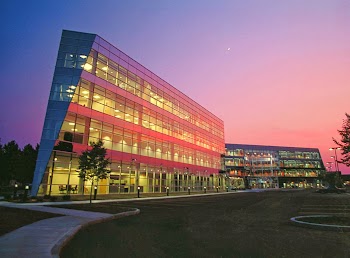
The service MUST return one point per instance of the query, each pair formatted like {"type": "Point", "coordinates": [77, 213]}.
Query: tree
{"type": "Point", "coordinates": [344, 142]}
{"type": "Point", "coordinates": [11, 162]}
{"type": "Point", "coordinates": [2, 167]}
{"type": "Point", "coordinates": [27, 162]}
{"type": "Point", "coordinates": [93, 164]}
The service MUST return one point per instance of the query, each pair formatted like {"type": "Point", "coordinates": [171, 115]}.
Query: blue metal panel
{"type": "Point", "coordinates": [67, 73]}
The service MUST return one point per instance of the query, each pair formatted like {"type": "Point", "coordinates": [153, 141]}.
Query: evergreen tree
{"type": "Point", "coordinates": [28, 162]}
{"type": "Point", "coordinates": [11, 158]}
{"type": "Point", "coordinates": [2, 166]}
{"type": "Point", "coordinates": [93, 164]}
{"type": "Point", "coordinates": [344, 142]}
{"type": "Point", "coordinates": [16, 164]}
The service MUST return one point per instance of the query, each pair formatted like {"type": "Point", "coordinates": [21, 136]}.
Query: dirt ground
{"type": "Point", "coordinates": [232, 225]}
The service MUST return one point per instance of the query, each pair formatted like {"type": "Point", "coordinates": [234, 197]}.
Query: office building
{"type": "Point", "coordinates": [156, 136]}
{"type": "Point", "coordinates": [258, 166]}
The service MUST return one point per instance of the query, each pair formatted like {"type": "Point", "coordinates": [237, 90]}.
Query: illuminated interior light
{"type": "Point", "coordinates": [97, 96]}
{"type": "Point", "coordinates": [86, 97]}
{"type": "Point", "coordinates": [72, 87]}
{"type": "Point", "coordinates": [127, 115]}
{"type": "Point", "coordinates": [87, 66]}
{"type": "Point", "coordinates": [117, 116]}
{"type": "Point", "coordinates": [71, 123]}
{"type": "Point", "coordinates": [83, 56]}
{"type": "Point", "coordinates": [71, 55]}
{"type": "Point", "coordinates": [69, 90]}
{"type": "Point", "coordinates": [104, 68]}
{"type": "Point", "coordinates": [85, 92]}
{"type": "Point", "coordinates": [74, 130]}
{"type": "Point", "coordinates": [117, 110]}
{"type": "Point", "coordinates": [70, 95]}
{"type": "Point", "coordinates": [127, 119]}
{"type": "Point", "coordinates": [91, 128]}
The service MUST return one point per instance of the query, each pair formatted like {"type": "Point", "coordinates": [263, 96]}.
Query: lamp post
{"type": "Point", "coordinates": [26, 189]}
{"type": "Point", "coordinates": [133, 166]}
{"type": "Point", "coordinates": [205, 189]}
{"type": "Point", "coordinates": [167, 191]}
{"type": "Point", "coordinates": [95, 192]}
{"type": "Point", "coordinates": [189, 190]}
{"type": "Point", "coordinates": [335, 157]}
{"type": "Point", "coordinates": [138, 192]}
{"type": "Point", "coordinates": [15, 191]}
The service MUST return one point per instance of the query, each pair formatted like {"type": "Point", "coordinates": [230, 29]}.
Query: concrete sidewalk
{"type": "Point", "coordinates": [45, 238]}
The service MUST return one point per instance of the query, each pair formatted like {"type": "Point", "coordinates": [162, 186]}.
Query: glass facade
{"type": "Point", "coordinates": [156, 136]}
{"type": "Point", "coordinates": [272, 166]}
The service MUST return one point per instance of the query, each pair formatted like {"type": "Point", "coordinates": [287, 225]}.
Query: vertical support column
{"type": "Point", "coordinates": [52, 171]}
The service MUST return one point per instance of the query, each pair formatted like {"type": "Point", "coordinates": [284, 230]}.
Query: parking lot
{"type": "Point", "coordinates": [231, 225]}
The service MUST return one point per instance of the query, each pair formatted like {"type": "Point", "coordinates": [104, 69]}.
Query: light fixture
{"type": "Point", "coordinates": [71, 123]}
{"type": "Point", "coordinates": [97, 96]}
{"type": "Point", "coordinates": [83, 56]}
{"type": "Point", "coordinates": [88, 67]}
{"type": "Point", "coordinates": [85, 92]}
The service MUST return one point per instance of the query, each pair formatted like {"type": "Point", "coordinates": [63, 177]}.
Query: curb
{"type": "Point", "coordinates": [326, 227]}
{"type": "Point", "coordinates": [56, 249]}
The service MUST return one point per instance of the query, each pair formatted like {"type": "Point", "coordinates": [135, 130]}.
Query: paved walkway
{"type": "Point", "coordinates": [46, 237]}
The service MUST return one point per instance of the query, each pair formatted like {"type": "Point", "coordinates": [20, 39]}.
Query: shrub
{"type": "Point", "coordinates": [7, 196]}
{"type": "Point", "coordinates": [53, 198]}
{"type": "Point", "coordinates": [46, 196]}
{"type": "Point", "coordinates": [66, 197]}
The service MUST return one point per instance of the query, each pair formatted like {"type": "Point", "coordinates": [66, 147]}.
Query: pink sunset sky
{"type": "Point", "coordinates": [276, 72]}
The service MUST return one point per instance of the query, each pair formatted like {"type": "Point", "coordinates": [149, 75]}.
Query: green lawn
{"type": "Point", "coordinates": [234, 225]}
{"type": "Point", "coordinates": [12, 218]}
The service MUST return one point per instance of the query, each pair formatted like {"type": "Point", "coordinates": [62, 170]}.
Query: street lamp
{"type": "Point", "coordinates": [95, 192]}
{"type": "Point", "coordinates": [15, 191]}
{"type": "Point", "coordinates": [336, 158]}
